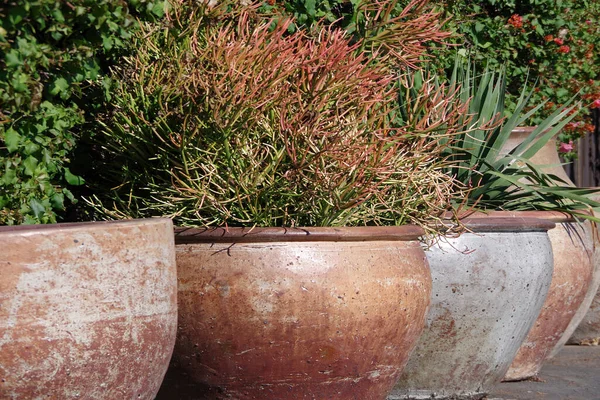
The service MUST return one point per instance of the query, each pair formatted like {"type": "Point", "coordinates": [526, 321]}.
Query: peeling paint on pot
{"type": "Point", "coordinates": [86, 310]}
{"type": "Point", "coordinates": [331, 314]}
{"type": "Point", "coordinates": [488, 289]}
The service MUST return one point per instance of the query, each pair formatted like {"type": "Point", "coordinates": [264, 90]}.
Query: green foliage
{"type": "Point", "coordinates": [552, 42]}
{"type": "Point", "coordinates": [500, 180]}
{"type": "Point", "coordinates": [223, 117]}
{"type": "Point", "coordinates": [52, 56]}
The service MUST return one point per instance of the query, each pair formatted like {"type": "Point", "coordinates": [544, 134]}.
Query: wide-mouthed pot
{"type": "Point", "coordinates": [87, 310]}
{"type": "Point", "coordinates": [574, 272]}
{"type": "Point", "coordinates": [297, 313]}
{"type": "Point", "coordinates": [489, 285]}
{"type": "Point", "coordinates": [575, 237]}
{"type": "Point", "coordinates": [584, 329]}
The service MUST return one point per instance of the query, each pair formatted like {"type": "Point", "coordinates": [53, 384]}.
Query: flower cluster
{"type": "Point", "coordinates": [516, 21]}
{"type": "Point", "coordinates": [564, 49]}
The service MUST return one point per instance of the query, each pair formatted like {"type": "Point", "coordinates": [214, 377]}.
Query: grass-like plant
{"type": "Point", "coordinates": [507, 181]}
{"type": "Point", "coordinates": [225, 117]}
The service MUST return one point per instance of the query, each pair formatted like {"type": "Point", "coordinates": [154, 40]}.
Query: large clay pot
{"type": "Point", "coordinates": [488, 288]}
{"type": "Point", "coordinates": [588, 331]}
{"type": "Point", "coordinates": [315, 313]}
{"type": "Point", "coordinates": [548, 156]}
{"type": "Point", "coordinates": [87, 311]}
{"type": "Point", "coordinates": [573, 271]}
{"type": "Point", "coordinates": [585, 328]}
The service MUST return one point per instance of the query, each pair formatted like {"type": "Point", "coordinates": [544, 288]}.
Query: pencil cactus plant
{"type": "Point", "coordinates": [225, 117]}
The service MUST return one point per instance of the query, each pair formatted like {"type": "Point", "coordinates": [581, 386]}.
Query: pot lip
{"type": "Point", "coordinates": [553, 216]}
{"type": "Point", "coordinates": [524, 129]}
{"type": "Point", "coordinates": [507, 224]}
{"type": "Point", "coordinates": [76, 226]}
{"type": "Point", "coordinates": [480, 223]}
{"type": "Point", "coordinates": [184, 235]}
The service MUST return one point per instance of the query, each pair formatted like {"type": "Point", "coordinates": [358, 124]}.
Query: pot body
{"type": "Point", "coordinates": [547, 157]}
{"type": "Point", "coordinates": [583, 234]}
{"type": "Point", "coordinates": [573, 271]}
{"type": "Point", "coordinates": [319, 318]}
{"type": "Point", "coordinates": [86, 310]}
{"type": "Point", "coordinates": [488, 289]}
{"type": "Point", "coordinates": [585, 327]}
{"type": "Point", "coordinates": [588, 331]}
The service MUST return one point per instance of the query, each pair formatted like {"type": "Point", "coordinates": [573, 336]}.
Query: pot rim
{"type": "Point", "coordinates": [553, 216]}
{"type": "Point", "coordinates": [299, 234]}
{"type": "Point", "coordinates": [74, 226]}
{"type": "Point", "coordinates": [481, 223]}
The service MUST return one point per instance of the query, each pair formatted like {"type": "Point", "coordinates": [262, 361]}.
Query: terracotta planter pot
{"type": "Point", "coordinates": [547, 156]}
{"type": "Point", "coordinates": [488, 289]}
{"type": "Point", "coordinates": [86, 310]}
{"type": "Point", "coordinates": [585, 327]}
{"type": "Point", "coordinates": [299, 313]}
{"type": "Point", "coordinates": [588, 331]}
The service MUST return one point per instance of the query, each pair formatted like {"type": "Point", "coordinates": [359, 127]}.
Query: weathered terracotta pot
{"type": "Point", "coordinates": [547, 156]}
{"type": "Point", "coordinates": [588, 331]}
{"type": "Point", "coordinates": [488, 289]}
{"type": "Point", "coordinates": [86, 310]}
{"type": "Point", "coordinates": [585, 327]}
{"type": "Point", "coordinates": [573, 271]}
{"type": "Point", "coordinates": [315, 313]}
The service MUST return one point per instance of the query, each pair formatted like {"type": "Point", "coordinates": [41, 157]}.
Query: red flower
{"type": "Point", "coordinates": [548, 38]}
{"type": "Point", "coordinates": [565, 147]}
{"type": "Point", "coordinates": [559, 41]}
{"type": "Point", "coordinates": [564, 49]}
{"type": "Point", "coordinates": [596, 104]}
{"type": "Point", "coordinates": [516, 20]}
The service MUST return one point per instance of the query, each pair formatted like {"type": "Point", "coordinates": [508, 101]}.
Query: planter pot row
{"type": "Point", "coordinates": [265, 313]}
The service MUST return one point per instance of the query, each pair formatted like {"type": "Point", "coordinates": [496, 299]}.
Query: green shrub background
{"type": "Point", "coordinates": [54, 58]}
{"type": "Point", "coordinates": [551, 42]}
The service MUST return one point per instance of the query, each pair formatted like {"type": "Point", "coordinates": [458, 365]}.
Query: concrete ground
{"type": "Point", "coordinates": [574, 374]}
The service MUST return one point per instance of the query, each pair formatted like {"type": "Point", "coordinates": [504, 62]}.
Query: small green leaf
{"type": "Point", "coordinates": [58, 86]}
{"type": "Point", "coordinates": [31, 148]}
{"type": "Point", "coordinates": [19, 83]}
{"type": "Point", "coordinates": [16, 14]}
{"type": "Point", "coordinates": [73, 179]}
{"type": "Point", "coordinates": [58, 201]}
{"type": "Point", "coordinates": [69, 195]}
{"type": "Point", "coordinates": [12, 140]}
{"type": "Point", "coordinates": [9, 177]}
{"type": "Point", "coordinates": [37, 207]}
{"type": "Point", "coordinates": [30, 164]}
{"type": "Point", "coordinates": [13, 59]}
{"type": "Point", "coordinates": [58, 15]}
{"type": "Point", "coordinates": [310, 7]}
{"type": "Point", "coordinates": [159, 9]}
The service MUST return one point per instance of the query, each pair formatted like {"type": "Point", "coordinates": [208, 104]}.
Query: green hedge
{"type": "Point", "coordinates": [53, 59]}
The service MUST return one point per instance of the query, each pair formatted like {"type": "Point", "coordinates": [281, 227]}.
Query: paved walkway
{"type": "Point", "coordinates": [574, 374]}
